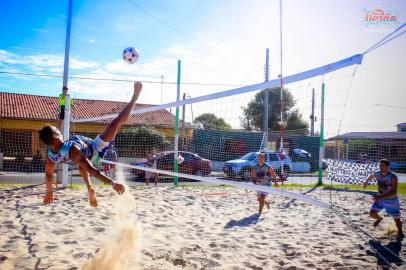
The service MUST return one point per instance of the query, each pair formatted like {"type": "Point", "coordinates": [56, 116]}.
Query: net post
{"type": "Point", "coordinates": [321, 145]}
{"type": "Point", "coordinates": [66, 121]}
{"type": "Point", "coordinates": [175, 153]}
{"type": "Point", "coordinates": [66, 124]}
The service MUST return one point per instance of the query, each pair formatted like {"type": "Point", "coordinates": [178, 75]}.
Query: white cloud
{"type": "Point", "coordinates": [79, 64]}
{"type": "Point", "coordinates": [91, 41]}
{"type": "Point", "coordinates": [56, 69]}
{"type": "Point", "coordinates": [43, 62]}
{"type": "Point", "coordinates": [9, 58]}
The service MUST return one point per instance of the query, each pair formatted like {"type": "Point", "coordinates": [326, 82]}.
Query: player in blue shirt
{"type": "Point", "coordinates": [260, 174]}
{"type": "Point", "coordinates": [81, 150]}
{"type": "Point", "coordinates": [387, 197]}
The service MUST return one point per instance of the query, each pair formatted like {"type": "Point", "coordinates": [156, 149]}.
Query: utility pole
{"type": "Point", "coordinates": [312, 116]}
{"type": "Point", "coordinates": [162, 83]}
{"type": "Point", "coordinates": [266, 102]}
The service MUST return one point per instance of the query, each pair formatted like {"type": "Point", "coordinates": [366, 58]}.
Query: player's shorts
{"type": "Point", "coordinates": [263, 193]}
{"type": "Point", "coordinates": [100, 146]}
{"type": "Point", "coordinates": [391, 206]}
{"type": "Point", "coordinates": [149, 175]}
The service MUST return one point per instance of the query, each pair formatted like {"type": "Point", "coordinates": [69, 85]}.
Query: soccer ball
{"type": "Point", "coordinates": [130, 55]}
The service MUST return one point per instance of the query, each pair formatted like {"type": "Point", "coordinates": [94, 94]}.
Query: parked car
{"type": "Point", "coordinates": [138, 174]}
{"type": "Point", "coordinates": [302, 153]}
{"type": "Point", "coordinates": [324, 164]}
{"type": "Point", "coordinates": [191, 164]}
{"type": "Point", "coordinates": [242, 167]}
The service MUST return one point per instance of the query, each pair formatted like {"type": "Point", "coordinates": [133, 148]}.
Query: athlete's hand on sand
{"type": "Point", "coordinates": [119, 188]}
{"type": "Point", "coordinates": [49, 198]}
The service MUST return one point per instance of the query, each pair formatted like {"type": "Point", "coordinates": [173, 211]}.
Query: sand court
{"type": "Point", "coordinates": [179, 228]}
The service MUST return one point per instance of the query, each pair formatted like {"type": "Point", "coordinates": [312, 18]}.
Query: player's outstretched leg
{"type": "Point", "coordinates": [110, 133]}
{"type": "Point", "coordinates": [268, 204]}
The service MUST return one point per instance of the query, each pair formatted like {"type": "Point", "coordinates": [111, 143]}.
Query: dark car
{"type": "Point", "coordinates": [138, 174]}
{"type": "Point", "coordinates": [191, 164]}
{"type": "Point", "coordinates": [324, 164]}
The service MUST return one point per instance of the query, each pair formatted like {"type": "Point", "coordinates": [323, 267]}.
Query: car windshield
{"type": "Point", "coordinates": [250, 156]}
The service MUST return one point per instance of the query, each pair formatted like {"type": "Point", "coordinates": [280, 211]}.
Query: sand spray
{"type": "Point", "coordinates": [122, 245]}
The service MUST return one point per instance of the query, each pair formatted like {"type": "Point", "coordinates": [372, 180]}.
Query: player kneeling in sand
{"type": "Point", "coordinates": [261, 175]}
{"type": "Point", "coordinates": [387, 197]}
{"type": "Point", "coordinates": [81, 150]}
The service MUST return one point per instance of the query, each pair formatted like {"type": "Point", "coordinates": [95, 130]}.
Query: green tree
{"type": "Point", "coordinates": [253, 114]}
{"type": "Point", "coordinates": [139, 141]}
{"type": "Point", "coordinates": [361, 146]}
{"type": "Point", "coordinates": [211, 121]}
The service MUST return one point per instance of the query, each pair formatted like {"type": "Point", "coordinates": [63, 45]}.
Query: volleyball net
{"type": "Point", "coordinates": [219, 135]}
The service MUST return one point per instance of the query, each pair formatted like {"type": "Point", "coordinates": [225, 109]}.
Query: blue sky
{"type": "Point", "coordinates": [218, 42]}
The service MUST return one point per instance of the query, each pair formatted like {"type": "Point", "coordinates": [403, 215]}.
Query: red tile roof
{"type": "Point", "coordinates": [44, 108]}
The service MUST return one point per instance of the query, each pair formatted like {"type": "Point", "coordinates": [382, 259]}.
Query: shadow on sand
{"type": "Point", "coordinates": [394, 246]}
{"type": "Point", "coordinates": [244, 222]}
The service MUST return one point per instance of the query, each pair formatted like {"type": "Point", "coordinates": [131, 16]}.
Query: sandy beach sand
{"type": "Point", "coordinates": [186, 228]}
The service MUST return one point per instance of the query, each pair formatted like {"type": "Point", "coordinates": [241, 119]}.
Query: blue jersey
{"type": "Point", "coordinates": [384, 182]}
{"type": "Point", "coordinates": [85, 144]}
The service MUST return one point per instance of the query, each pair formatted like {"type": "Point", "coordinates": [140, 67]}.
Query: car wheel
{"type": "Point", "coordinates": [245, 174]}
{"type": "Point", "coordinates": [286, 172]}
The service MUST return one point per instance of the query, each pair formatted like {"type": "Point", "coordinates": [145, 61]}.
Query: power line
{"type": "Point", "coordinates": [390, 106]}
{"type": "Point", "coordinates": [164, 22]}
{"type": "Point", "coordinates": [114, 80]}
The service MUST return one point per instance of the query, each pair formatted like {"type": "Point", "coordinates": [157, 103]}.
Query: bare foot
{"type": "Point", "coordinates": [137, 90]}
{"type": "Point", "coordinates": [92, 198]}
{"type": "Point", "coordinates": [376, 223]}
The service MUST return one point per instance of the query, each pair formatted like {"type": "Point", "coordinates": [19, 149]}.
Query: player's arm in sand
{"type": "Point", "coordinates": [86, 169]}
{"type": "Point", "coordinates": [275, 178]}
{"type": "Point", "coordinates": [371, 177]}
{"type": "Point", "coordinates": [49, 175]}
{"type": "Point", "coordinates": [86, 166]}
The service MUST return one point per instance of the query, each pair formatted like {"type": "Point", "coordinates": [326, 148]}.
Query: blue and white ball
{"type": "Point", "coordinates": [130, 55]}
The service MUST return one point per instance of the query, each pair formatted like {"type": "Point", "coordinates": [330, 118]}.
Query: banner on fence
{"type": "Point", "coordinates": [350, 172]}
